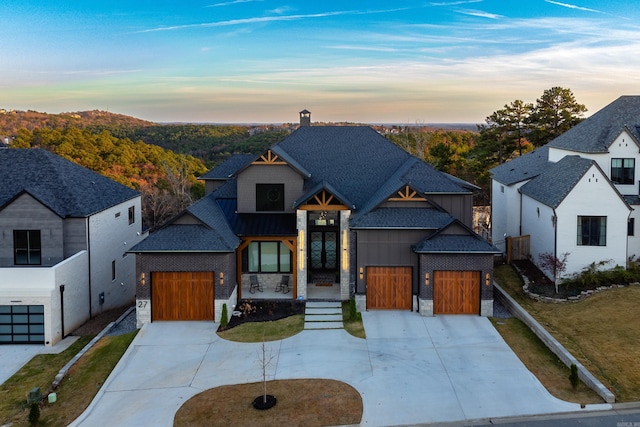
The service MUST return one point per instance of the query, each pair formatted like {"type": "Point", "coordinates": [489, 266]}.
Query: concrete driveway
{"type": "Point", "coordinates": [409, 370]}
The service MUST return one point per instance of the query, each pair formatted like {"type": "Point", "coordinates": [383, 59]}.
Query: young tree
{"type": "Point", "coordinates": [555, 112]}
{"type": "Point", "coordinates": [554, 265]}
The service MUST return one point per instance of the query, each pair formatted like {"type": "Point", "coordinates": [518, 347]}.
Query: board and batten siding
{"type": "Point", "coordinates": [387, 248]}
{"type": "Point", "coordinates": [268, 174]}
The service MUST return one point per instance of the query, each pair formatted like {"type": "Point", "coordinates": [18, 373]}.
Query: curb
{"type": "Point", "coordinates": [554, 345]}
{"type": "Point", "coordinates": [65, 369]}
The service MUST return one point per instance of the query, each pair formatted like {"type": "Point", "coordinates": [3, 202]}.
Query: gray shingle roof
{"type": "Point", "coordinates": [66, 188]}
{"type": "Point", "coordinates": [228, 167]}
{"type": "Point", "coordinates": [448, 243]}
{"type": "Point", "coordinates": [183, 238]}
{"type": "Point", "coordinates": [596, 133]}
{"type": "Point", "coordinates": [552, 186]}
{"type": "Point", "coordinates": [403, 218]}
{"type": "Point", "coordinates": [463, 241]}
{"type": "Point", "coordinates": [355, 160]}
{"type": "Point", "coordinates": [521, 168]}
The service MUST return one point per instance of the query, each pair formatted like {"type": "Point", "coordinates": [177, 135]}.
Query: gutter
{"type": "Point", "coordinates": [89, 267]}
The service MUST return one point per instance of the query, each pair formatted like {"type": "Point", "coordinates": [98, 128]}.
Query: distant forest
{"type": "Point", "coordinates": [163, 161]}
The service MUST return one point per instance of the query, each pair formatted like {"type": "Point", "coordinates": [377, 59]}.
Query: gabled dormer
{"type": "Point", "coordinates": [270, 184]}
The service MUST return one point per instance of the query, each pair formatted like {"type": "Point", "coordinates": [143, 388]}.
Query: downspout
{"type": "Point", "coordinates": [89, 266]}
{"type": "Point", "coordinates": [62, 309]}
{"type": "Point", "coordinates": [555, 242]}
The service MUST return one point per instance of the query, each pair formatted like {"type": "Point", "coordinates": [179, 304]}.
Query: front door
{"type": "Point", "coordinates": [323, 249]}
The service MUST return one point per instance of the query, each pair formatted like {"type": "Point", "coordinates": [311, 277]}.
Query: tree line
{"type": "Point", "coordinates": [164, 161]}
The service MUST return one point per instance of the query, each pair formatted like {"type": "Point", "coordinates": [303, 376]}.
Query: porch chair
{"type": "Point", "coordinates": [283, 285]}
{"type": "Point", "coordinates": [255, 285]}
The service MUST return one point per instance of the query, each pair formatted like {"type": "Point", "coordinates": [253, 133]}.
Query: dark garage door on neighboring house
{"type": "Point", "coordinates": [389, 288]}
{"type": "Point", "coordinates": [182, 295]}
{"type": "Point", "coordinates": [456, 292]}
{"type": "Point", "coordinates": [21, 324]}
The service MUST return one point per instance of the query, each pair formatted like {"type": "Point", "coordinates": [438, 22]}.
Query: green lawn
{"type": "Point", "coordinates": [601, 331]}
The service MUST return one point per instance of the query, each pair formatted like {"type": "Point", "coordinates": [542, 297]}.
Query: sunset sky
{"type": "Point", "coordinates": [241, 61]}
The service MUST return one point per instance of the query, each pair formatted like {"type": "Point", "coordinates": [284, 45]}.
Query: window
{"type": "Point", "coordinates": [592, 231]}
{"type": "Point", "coordinates": [113, 270]}
{"type": "Point", "coordinates": [269, 197]}
{"type": "Point", "coordinates": [266, 257]}
{"type": "Point", "coordinates": [622, 170]}
{"type": "Point", "coordinates": [27, 248]}
{"type": "Point", "coordinates": [132, 215]}
{"type": "Point", "coordinates": [631, 227]}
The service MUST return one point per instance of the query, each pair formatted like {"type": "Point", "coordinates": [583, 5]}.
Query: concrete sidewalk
{"type": "Point", "coordinates": [409, 370]}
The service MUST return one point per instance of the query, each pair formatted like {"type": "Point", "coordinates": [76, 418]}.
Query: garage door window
{"type": "Point", "coordinates": [22, 324]}
{"type": "Point", "coordinates": [266, 257]}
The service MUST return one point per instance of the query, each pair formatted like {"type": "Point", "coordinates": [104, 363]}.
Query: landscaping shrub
{"type": "Point", "coordinates": [573, 376]}
{"type": "Point", "coordinates": [224, 319]}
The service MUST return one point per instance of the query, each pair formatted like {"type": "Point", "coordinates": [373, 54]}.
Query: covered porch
{"type": "Point", "coordinates": [270, 287]}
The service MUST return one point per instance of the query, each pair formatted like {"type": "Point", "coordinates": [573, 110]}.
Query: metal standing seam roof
{"type": "Point", "coordinates": [596, 133]}
{"type": "Point", "coordinates": [66, 188]}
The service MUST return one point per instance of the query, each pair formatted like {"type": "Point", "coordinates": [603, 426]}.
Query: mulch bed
{"type": "Point", "coordinates": [540, 284]}
{"type": "Point", "coordinates": [265, 311]}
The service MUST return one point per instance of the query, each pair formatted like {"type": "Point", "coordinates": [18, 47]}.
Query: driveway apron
{"type": "Point", "coordinates": [409, 370]}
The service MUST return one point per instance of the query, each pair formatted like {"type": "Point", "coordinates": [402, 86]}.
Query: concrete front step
{"type": "Point", "coordinates": [319, 311]}
{"type": "Point", "coordinates": [323, 317]}
{"type": "Point", "coordinates": [323, 325]}
{"type": "Point", "coordinates": [323, 304]}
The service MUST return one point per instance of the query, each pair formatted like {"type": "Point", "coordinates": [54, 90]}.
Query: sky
{"type": "Point", "coordinates": [263, 61]}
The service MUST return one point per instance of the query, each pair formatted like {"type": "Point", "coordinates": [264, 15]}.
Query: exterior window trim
{"type": "Point", "coordinates": [282, 249]}
{"type": "Point", "coordinates": [625, 173]}
{"type": "Point", "coordinates": [591, 230]}
{"type": "Point", "coordinates": [269, 197]}
{"type": "Point", "coordinates": [132, 215]}
{"type": "Point", "coordinates": [33, 249]}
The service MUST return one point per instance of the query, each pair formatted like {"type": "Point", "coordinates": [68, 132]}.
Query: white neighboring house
{"type": "Point", "coordinates": [64, 233]}
{"type": "Point", "coordinates": [579, 194]}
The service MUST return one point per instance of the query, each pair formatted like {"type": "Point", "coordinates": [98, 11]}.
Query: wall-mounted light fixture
{"type": "Point", "coordinates": [426, 279]}
{"type": "Point", "coordinates": [345, 259]}
{"type": "Point", "coordinates": [487, 279]}
{"type": "Point", "coordinates": [301, 246]}
{"type": "Point", "coordinates": [361, 273]}
{"type": "Point", "coordinates": [221, 278]}
{"type": "Point", "coordinates": [143, 279]}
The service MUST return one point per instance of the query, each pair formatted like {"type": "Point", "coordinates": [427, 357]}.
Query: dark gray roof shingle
{"type": "Point", "coordinates": [66, 188]}
{"type": "Point", "coordinates": [552, 186]}
{"type": "Point", "coordinates": [596, 133]}
{"type": "Point", "coordinates": [521, 168]}
{"type": "Point", "coordinates": [448, 243]}
{"type": "Point", "coordinates": [183, 238]}
{"type": "Point", "coordinates": [228, 167]}
{"type": "Point", "coordinates": [403, 218]}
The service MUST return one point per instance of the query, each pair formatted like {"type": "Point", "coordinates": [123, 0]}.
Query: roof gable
{"type": "Point", "coordinates": [596, 133]}
{"type": "Point", "coordinates": [455, 238]}
{"type": "Point", "coordinates": [66, 188]}
{"type": "Point", "coordinates": [552, 186]}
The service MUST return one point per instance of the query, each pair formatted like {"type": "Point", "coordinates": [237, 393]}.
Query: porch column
{"type": "Point", "coordinates": [301, 265]}
{"type": "Point", "coordinates": [345, 260]}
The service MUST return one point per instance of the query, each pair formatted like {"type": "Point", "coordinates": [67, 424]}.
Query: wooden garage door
{"type": "Point", "coordinates": [389, 288]}
{"type": "Point", "coordinates": [456, 292]}
{"type": "Point", "coordinates": [182, 296]}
